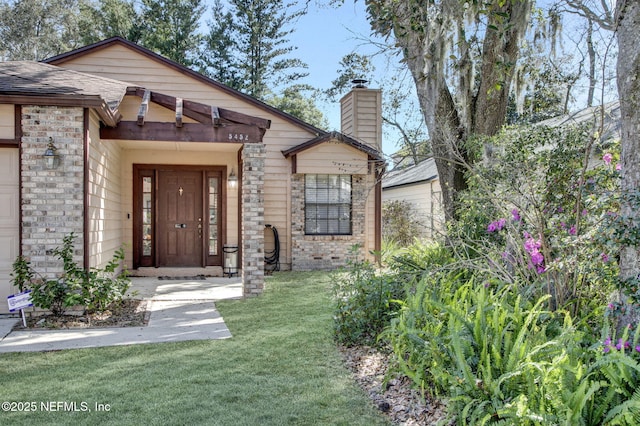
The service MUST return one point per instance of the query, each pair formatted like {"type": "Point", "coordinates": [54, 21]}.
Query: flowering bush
{"type": "Point", "coordinates": [547, 205]}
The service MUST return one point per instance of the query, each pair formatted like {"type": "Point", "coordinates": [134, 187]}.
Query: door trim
{"type": "Point", "coordinates": [151, 171]}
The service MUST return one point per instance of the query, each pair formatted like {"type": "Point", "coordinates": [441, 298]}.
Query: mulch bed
{"type": "Point", "coordinates": [402, 404]}
{"type": "Point", "coordinates": [126, 313]}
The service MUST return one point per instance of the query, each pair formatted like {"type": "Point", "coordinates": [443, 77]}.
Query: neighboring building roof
{"type": "Point", "coordinates": [26, 80]}
{"type": "Point", "coordinates": [61, 59]}
{"type": "Point", "coordinates": [609, 111]}
{"type": "Point", "coordinates": [425, 171]}
{"type": "Point", "coordinates": [374, 154]}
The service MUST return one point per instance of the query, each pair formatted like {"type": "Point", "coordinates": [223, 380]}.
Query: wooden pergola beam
{"type": "Point", "coordinates": [178, 112]}
{"type": "Point", "coordinates": [144, 107]}
{"type": "Point", "coordinates": [215, 116]}
{"type": "Point", "coordinates": [201, 112]}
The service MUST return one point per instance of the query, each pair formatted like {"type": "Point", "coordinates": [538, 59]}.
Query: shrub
{"type": "Point", "coordinates": [365, 301]}
{"type": "Point", "coordinates": [400, 222]}
{"type": "Point", "coordinates": [541, 214]}
{"type": "Point", "coordinates": [504, 329]}
{"type": "Point", "coordinates": [94, 289]}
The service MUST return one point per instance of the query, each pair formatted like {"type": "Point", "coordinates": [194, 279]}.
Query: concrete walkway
{"type": "Point", "coordinates": [180, 310]}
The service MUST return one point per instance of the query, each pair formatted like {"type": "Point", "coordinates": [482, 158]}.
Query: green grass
{"type": "Point", "coordinates": [281, 367]}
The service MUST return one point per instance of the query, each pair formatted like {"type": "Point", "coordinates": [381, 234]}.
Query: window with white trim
{"type": "Point", "coordinates": [327, 204]}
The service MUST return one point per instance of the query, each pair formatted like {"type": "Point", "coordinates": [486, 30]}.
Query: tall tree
{"type": "Point", "coordinates": [110, 18]}
{"type": "Point", "coordinates": [38, 29]}
{"type": "Point", "coordinates": [480, 41]}
{"type": "Point", "coordinates": [298, 100]}
{"type": "Point", "coordinates": [627, 18]}
{"type": "Point", "coordinates": [247, 46]}
{"type": "Point", "coordinates": [170, 27]}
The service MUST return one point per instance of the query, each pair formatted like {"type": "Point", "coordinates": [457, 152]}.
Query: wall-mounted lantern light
{"type": "Point", "coordinates": [232, 179]}
{"type": "Point", "coordinates": [51, 157]}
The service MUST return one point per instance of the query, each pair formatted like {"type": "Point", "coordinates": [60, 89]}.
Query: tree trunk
{"type": "Point", "coordinates": [500, 52]}
{"type": "Point", "coordinates": [628, 19]}
{"type": "Point", "coordinates": [433, 40]}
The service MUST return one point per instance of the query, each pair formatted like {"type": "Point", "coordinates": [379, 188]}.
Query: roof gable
{"type": "Point", "coordinates": [60, 60]}
{"type": "Point", "coordinates": [333, 136]}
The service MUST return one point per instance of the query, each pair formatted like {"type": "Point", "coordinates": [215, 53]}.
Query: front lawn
{"type": "Point", "coordinates": [280, 367]}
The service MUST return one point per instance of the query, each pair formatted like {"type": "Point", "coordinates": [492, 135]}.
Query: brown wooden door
{"type": "Point", "coordinates": [179, 220]}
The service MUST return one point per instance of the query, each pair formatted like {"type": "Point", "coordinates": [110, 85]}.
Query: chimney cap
{"type": "Point", "coordinates": [359, 83]}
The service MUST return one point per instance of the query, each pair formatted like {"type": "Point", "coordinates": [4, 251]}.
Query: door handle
{"type": "Point", "coordinates": [180, 225]}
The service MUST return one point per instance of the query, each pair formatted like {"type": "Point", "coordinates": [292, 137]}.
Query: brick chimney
{"type": "Point", "coordinates": [361, 114]}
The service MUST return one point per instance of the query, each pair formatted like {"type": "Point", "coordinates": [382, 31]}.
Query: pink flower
{"type": "Point", "coordinates": [496, 225]}
{"type": "Point", "coordinates": [515, 215]}
{"type": "Point", "coordinates": [604, 257]}
{"type": "Point", "coordinates": [537, 258]}
{"type": "Point", "coordinates": [618, 166]}
{"type": "Point", "coordinates": [572, 230]}
{"type": "Point", "coordinates": [607, 158]}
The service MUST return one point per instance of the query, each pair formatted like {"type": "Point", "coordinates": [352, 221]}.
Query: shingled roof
{"type": "Point", "coordinates": [425, 171]}
{"type": "Point", "coordinates": [37, 82]}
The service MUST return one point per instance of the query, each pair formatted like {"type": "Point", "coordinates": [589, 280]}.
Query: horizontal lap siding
{"type": "Point", "coordinates": [361, 117]}
{"type": "Point", "coordinates": [105, 204]}
{"type": "Point", "coordinates": [420, 196]}
{"type": "Point", "coordinates": [332, 158]}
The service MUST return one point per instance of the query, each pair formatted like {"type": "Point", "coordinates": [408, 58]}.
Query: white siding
{"type": "Point", "coordinates": [426, 199]}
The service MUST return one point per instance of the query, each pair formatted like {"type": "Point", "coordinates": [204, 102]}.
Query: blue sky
{"type": "Point", "coordinates": [323, 37]}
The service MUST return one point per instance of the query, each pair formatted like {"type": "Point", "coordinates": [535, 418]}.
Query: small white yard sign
{"type": "Point", "coordinates": [19, 301]}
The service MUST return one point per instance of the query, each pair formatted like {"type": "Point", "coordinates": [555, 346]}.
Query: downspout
{"type": "Point", "coordinates": [378, 217]}
{"type": "Point", "coordinates": [86, 197]}
{"type": "Point", "coordinates": [17, 132]}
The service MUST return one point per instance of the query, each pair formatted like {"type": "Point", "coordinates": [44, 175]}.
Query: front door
{"type": "Point", "coordinates": [179, 219]}
{"type": "Point", "coordinates": [180, 223]}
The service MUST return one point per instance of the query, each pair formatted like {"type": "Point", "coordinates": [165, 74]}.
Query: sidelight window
{"type": "Point", "coordinates": [147, 219]}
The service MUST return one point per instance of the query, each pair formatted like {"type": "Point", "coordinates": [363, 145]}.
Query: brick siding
{"type": "Point", "coordinates": [327, 252]}
{"type": "Point", "coordinates": [52, 200]}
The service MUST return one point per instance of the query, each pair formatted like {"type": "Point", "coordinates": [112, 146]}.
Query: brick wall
{"type": "Point", "coordinates": [52, 200]}
{"type": "Point", "coordinates": [327, 252]}
{"type": "Point", "coordinates": [253, 158]}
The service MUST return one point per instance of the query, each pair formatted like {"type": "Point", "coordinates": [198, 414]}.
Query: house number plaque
{"type": "Point", "coordinates": [238, 137]}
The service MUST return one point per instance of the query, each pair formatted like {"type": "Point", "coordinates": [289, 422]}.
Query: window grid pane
{"type": "Point", "coordinates": [213, 216]}
{"type": "Point", "coordinates": [147, 219]}
{"type": "Point", "coordinates": [328, 204]}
